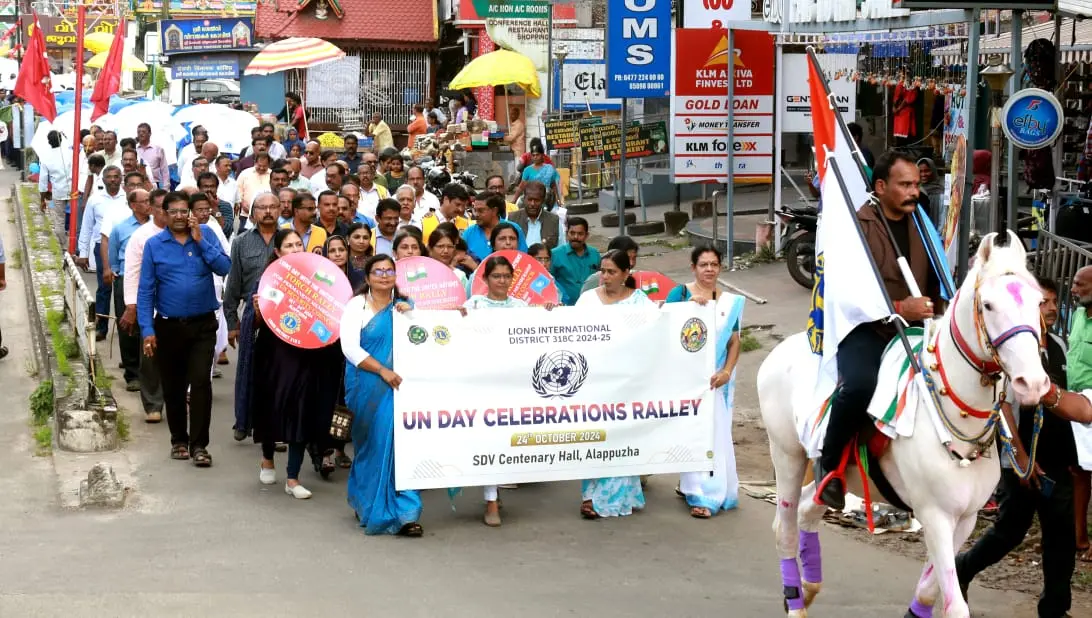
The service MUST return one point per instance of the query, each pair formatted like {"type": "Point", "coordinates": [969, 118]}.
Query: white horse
{"type": "Point", "coordinates": [968, 348]}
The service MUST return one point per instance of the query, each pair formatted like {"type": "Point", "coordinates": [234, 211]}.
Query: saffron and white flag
{"type": "Point", "coordinates": [847, 290]}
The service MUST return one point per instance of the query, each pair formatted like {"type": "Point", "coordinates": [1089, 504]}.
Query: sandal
{"type": "Point", "coordinates": [3, 351]}
{"type": "Point", "coordinates": [1084, 554]}
{"type": "Point", "coordinates": [588, 511]}
{"type": "Point", "coordinates": [679, 493]}
{"type": "Point", "coordinates": [180, 452]}
{"type": "Point", "coordinates": [343, 461]}
{"type": "Point", "coordinates": [700, 512]}
{"type": "Point", "coordinates": [328, 465]}
{"type": "Point", "coordinates": [201, 458]}
{"type": "Point", "coordinates": [412, 529]}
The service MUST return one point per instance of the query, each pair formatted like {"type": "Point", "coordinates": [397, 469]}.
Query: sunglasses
{"type": "Point", "coordinates": [384, 272]}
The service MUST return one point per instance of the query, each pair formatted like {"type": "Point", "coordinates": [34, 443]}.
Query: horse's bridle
{"type": "Point", "coordinates": [990, 370]}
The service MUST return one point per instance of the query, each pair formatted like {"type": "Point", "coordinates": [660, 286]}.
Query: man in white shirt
{"type": "Point", "coordinates": [151, 392]}
{"type": "Point", "coordinates": [370, 193]}
{"type": "Point", "coordinates": [110, 151]}
{"type": "Point", "coordinates": [407, 215]}
{"type": "Point", "coordinates": [55, 174]}
{"type": "Point", "coordinates": [252, 181]}
{"type": "Point", "coordinates": [227, 190]}
{"type": "Point", "coordinates": [198, 166]}
{"type": "Point", "coordinates": [109, 205]}
{"type": "Point", "coordinates": [276, 149]}
{"type": "Point", "coordinates": [190, 151]}
{"type": "Point", "coordinates": [423, 201]}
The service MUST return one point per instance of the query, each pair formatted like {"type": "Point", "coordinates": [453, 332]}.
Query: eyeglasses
{"type": "Point", "coordinates": [495, 187]}
{"type": "Point", "coordinates": [178, 212]}
{"type": "Point", "coordinates": [384, 272]}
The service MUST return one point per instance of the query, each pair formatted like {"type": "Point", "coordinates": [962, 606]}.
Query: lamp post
{"type": "Point", "coordinates": [996, 76]}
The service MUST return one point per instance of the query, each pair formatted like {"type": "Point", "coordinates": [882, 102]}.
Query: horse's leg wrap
{"type": "Point", "coordinates": [810, 557]}
{"type": "Point", "coordinates": [790, 580]}
{"type": "Point", "coordinates": [920, 610]}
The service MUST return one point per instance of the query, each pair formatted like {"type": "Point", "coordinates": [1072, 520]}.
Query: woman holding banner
{"type": "Point", "coordinates": [621, 495]}
{"type": "Point", "coordinates": [294, 392]}
{"type": "Point", "coordinates": [367, 340]}
{"type": "Point", "coordinates": [498, 273]}
{"type": "Point", "coordinates": [707, 493]}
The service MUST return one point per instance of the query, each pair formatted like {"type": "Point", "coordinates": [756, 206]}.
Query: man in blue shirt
{"type": "Point", "coordinates": [117, 240]}
{"type": "Point", "coordinates": [489, 210]}
{"type": "Point", "coordinates": [572, 263]}
{"type": "Point", "coordinates": [176, 310]}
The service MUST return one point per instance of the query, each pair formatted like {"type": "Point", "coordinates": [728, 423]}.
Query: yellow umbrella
{"type": "Point", "coordinates": [97, 42]}
{"type": "Point", "coordinates": [129, 62]}
{"type": "Point", "coordinates": [499, 68]}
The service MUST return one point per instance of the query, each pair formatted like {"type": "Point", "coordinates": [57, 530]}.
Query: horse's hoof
{"type": "Point", "coordinates": [797, 613]}
{"type": "Point", "coordinates": [810, 592]}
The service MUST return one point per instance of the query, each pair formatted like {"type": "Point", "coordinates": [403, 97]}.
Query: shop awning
{"type": "Point", "coordinates": [1076, 43]}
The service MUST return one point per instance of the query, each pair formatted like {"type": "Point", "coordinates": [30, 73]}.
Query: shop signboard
{"type": "Point", "coordinates": [604, 141]}
{"type": "Point", "coordinates": [197, 8]}
{"type": "Point", "coordinates": [827, 11]}
{"type": "Point", "coordinates": [989, 5]}
{"type": "Point", "coordinates": [638, 48]}
{"type": "Point", "coordinates": [477, 11]}
{"type": "Point", "coordinates": [583, 85]}
{"type": "Point", "coordinates": [797, 95]}
{"type": "Point", "coordinates": [565, 133]}
{"type": "Point", "coordinates": [197, 35]}
{"type": "Point", "coordinates": [216, 66]}
{"type": "Point", "coordinates": [1032, 118]}
{"type": "Point", "coordinates": [714, 13]}
{"type": "Point", "coordinates": [700, 106]}
{"type": "Point", "coordinates": [60, 32]}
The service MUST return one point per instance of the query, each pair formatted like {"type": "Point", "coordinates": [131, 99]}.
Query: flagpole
{"type": "Point", "coordinates": [77, 145]}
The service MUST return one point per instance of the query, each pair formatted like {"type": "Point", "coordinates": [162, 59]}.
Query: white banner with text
{"type": "Point", "coordinates": [524, 395]}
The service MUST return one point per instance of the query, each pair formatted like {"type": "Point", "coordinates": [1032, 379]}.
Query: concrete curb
{"type": "Point", "coordinates": [42, 361]}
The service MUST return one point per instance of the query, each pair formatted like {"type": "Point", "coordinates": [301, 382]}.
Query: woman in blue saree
{"type": "Point", "coordinates": [367, 340]}
{"type": "Point", "coordinates": [543, 172]}
{"type": "Point", "coordinates": [710, 492]}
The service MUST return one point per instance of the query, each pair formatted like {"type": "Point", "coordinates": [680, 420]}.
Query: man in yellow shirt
{"type": "Point", "coordinates": [495, 184]}
{"type": "Point", "coordinates": [452, 208]}
{"type": "Point", "coordinates": [380, 132]}
{"type": "Point", "coordinates": [303, 214]}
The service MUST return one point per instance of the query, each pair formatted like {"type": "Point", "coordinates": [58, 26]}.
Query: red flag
{"type": "Point", "coordinates": [33, 84]}
{"type": "Point", "coordinates": [109, 82]}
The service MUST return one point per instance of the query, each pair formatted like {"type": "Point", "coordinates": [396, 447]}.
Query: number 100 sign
{"type": "Point", "coordinates": [715, 13]}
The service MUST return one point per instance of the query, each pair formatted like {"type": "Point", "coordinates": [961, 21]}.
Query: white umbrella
{"type": "Point", "coordinates": [229, 136]}
{"type": "Point", "coordinates": [200, 112]}
{"type": "Point", "coordinates": [65, 123]}
{"type": "Point", "coordinates": [166, 131]}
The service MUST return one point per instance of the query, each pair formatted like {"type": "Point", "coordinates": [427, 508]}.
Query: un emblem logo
{"type": "Point", "coordinates": [559, 374]}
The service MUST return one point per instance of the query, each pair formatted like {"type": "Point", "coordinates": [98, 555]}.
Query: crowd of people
{"type": "Point", "coordinates": [182, 263]}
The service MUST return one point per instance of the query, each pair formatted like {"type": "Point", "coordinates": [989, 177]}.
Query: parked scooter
{"type": "Point", "coordinates": [799, 249]}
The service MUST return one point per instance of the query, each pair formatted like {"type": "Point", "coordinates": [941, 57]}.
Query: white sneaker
{"type": "Point", "coordinates": [299, 492]}
{"type": "Point", "coordinates": [267, 476]}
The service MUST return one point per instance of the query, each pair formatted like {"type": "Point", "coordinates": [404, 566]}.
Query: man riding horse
{"type": "Point", "coordinates": [895, 185]}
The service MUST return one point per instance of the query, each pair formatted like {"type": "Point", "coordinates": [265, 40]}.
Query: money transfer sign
{"type": "Point", "coordinates": [638, 48]}
{"type": "Point", "coordinates": [301, 297]}
{"type": "Point", "coordinates": [559, 405]}
{"type": "Point", "coordinates": [700, 115]}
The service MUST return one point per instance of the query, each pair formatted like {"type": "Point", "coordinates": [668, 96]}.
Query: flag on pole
{"type": "Point", "coordinates": [109, 82]}
{"type": "Point", "coordinates": [33, 83]}
{"type": "Point", "coordinates": [847, 290]}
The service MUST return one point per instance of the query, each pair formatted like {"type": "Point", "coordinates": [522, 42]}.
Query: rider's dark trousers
{"type": "Point", "coordinates": [1018, 505]}
{"type": "Point", "coordinates": [858, 365]}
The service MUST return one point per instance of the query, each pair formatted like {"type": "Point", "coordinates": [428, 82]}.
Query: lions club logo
{"type": "Point", "coordinates": [441, 335]}
{"type": "Point", "coordinates": [694, 335]}
{"type": "Point", "coordinates": [417, 335]}
{"type": "Point", "coordinates": [559, 374]}
{"type": "Point", "coordinates": [290, 323]}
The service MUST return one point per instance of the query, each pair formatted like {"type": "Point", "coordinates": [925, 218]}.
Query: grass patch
{"type": "Point", "coordinates": [748, 342]}
{"type": "Point", "coordinates": [43, 437]}
{"type": "Point", "coordinates": [41, 403]}
{"type": "Point", "coordinates": [123, 425]}
{"type": "Point", "coordinates": [63, 345]}
{"type": "Point", "coordinates": [16, 260]}
{"type": "Point", "coordinates": [765, 254]}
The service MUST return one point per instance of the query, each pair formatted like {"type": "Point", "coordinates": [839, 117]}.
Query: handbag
{"type": "Point", "coordinates": [341, 425]}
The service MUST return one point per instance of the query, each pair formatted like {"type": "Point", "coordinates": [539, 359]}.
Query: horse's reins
{"type": "Point", "coordinates": [989, 372]}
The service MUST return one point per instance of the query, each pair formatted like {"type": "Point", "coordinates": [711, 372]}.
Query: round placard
{"type": "Point", "coordinates": [301, 297]}
{"type": "Point", "coordinates": [1032, 118]}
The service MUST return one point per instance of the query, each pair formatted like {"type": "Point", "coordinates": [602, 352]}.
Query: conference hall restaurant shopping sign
{"type": "Point", "coordinates": [524, 395]}
{"type": "Point", "coordinates": [700, 106]}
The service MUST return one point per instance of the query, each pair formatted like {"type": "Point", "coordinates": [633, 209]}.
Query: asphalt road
{"type": "Point", "coordinates": [217, 543]}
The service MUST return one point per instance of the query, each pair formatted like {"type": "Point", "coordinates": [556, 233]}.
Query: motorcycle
{"type": "Point", "coordinates": [799, 248]}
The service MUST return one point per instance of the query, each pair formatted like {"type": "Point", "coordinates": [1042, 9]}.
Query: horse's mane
{"type": "Point", "coordinates": [1001, 254]}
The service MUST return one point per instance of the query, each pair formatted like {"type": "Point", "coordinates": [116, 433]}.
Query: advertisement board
{"type": "Point", "coordinates": [700, 116]}
{"type": "Point", "coordinates": [604, 141]}
{"type": "Point", "coordinates": [216, 66]}
{"type": "Point", "coordinates": [639, 48]}
{"type": "Point", "coordinates": [797, 96]}
{"type": "Point", "coordinates": [582, 85]}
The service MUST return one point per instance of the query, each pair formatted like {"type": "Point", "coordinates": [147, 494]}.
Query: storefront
{"type": "Point", "coordinates": [60, 37]}
{"type": "Point", "coordinates": [201, 49]}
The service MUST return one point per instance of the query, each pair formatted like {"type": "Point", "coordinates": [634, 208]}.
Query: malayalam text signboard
{"type": "Point", "coordinates": [224, 66]}
{"type": "Point", "coordinates": [638, 48]}
{"type": "Point", "coordinates": [700, 117]}
{"type": "Point", "coordinates": [197, 35]}
{"type": "Point", "coordinates": [566, 133]}
{"type": "Point", "coordinates": [604, 141]}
